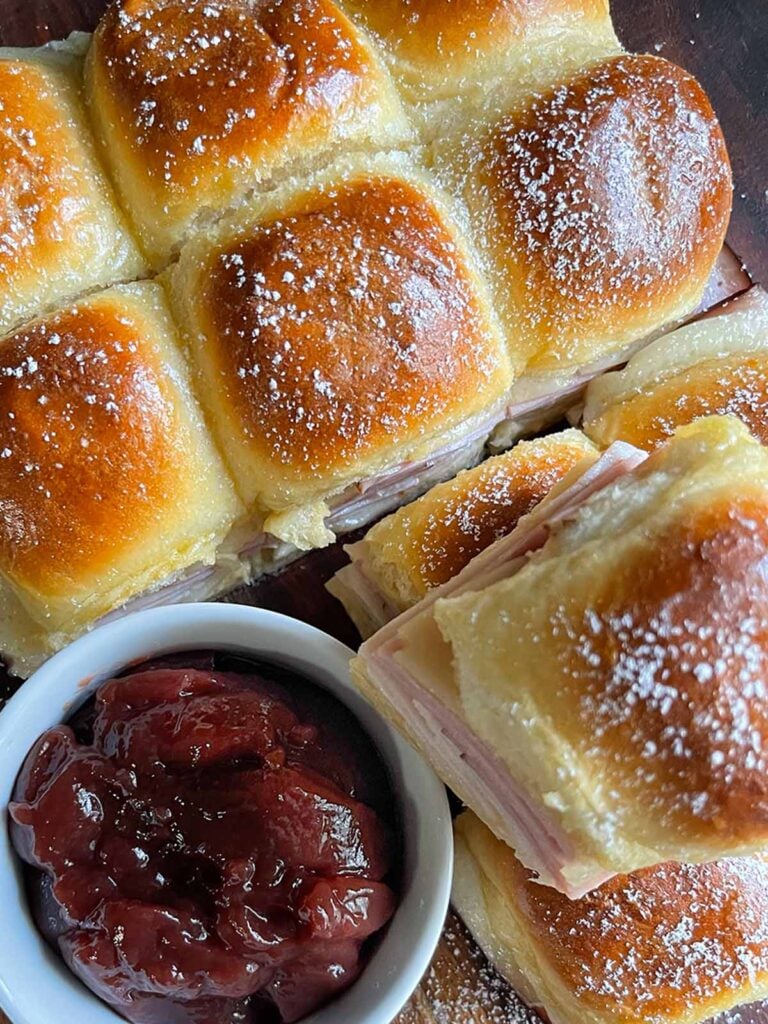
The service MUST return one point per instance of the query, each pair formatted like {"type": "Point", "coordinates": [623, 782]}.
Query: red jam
{"type": "Point", "coordinates": [210, 846]}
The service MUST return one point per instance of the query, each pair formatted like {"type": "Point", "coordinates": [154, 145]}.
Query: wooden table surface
{"type": "Point", "coordinates": [723, 42]}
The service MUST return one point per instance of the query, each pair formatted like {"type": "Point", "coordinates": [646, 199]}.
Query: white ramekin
{"type": "Point", "coordinates": [35, 984]}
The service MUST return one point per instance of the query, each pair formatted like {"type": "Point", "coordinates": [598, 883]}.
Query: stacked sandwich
{"type": "Point", "coordinates": [592, 685]}
{"type": "Point", "coordinates": [270, 268]}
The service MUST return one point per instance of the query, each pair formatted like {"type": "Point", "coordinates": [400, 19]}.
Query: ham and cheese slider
{"type": "Point", "coordinates": [717, 365]}
{"type": "Point", "coordinates": [599, 207]}
{"type": "Point", "coordinates": [110, 487]}
{"type": "Point", "coordinates": [669, 944]}
{"type": "Point", "coordinates": [344, 346]}
{"type": "Point", "coordinates": [428, 542]}
{"type": "Point", "coordinates": [198, 104]}
{"type": "Point", "coordinates": [592, 685]}
{"type": "Point", "coordinates": [61, 233]}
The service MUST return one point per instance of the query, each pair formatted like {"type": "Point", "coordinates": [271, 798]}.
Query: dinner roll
{"type": "Point", "coordinates": [600, 208]}
{"type": "Point", "coordinates": [341, 334]}
{"type": "Point", "coordinates": [198, 102]}
{"type": "Point", "coordinates": [426, 543]}
{"type": "Point", "coordinates": [109, 484]}
{"type": "Point", "coordinates": [453, 59]}
{"type": "Point", "coordinates": [60, 231]}
{"type": "Point", "coordinates": [671, 944]}
{"type": "Point", "coordinates": [717, 365]}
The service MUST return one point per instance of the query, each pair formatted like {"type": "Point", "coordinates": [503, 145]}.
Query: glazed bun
{"type": "Point", "coordinates": [455, 59]}
{"type": "Point", "coordinates": [197, 104]}
{"type": "Point", "coordinates": [109, 484]}
{"type": "Point", "coordinates": [624, 663]}
{"type": "Point", "coordinates": [339, 331]}
{"type": "Point", "coordinates": [426, 543]}
{"type": "Point", "coordinates": [671, 944]}
{"type": "Point", "coordinates": [60, 231]}
{"type": "Point", "coordinates": [600, 208]}
{"type": "Point", "coordinates": [717, 365]}
{"type": "Point", "coordinates": [591, 685]}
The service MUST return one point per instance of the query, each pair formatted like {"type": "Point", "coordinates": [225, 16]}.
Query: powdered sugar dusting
{"type": "Point", "coordinates": [669, 667]}
{"type": "Point", "coordinates": [350, 324]}
{"type": "Point", "coordinates": [600, 195]}
{"type": "Point", "coordinates": [56, 238]}
{"type": "Point", "coordinates": [209, 88]}
{"type": "Point", "coordinates": [659, 942]}
{"type": "Point", "coordinates": [461, 987]}
{"type": "Point", "coordinates": [440, 533]}
{"type": "Point", "coordinates": [732, 386]}
{"type": "Point", "coordinates": [88, 443]}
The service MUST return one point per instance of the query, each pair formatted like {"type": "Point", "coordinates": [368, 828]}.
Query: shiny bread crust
{"type": "Point", "coordinates": [196, 104]}
{"type": "Point", "coordinates": [61, 232]}
{"type": "Point", "coordinates": [675, 942]}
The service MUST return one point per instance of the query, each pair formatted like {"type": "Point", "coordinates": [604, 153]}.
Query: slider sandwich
{"type": "Point", "coordinates": [670, 944]}
{"type": "Point", "coordinates": [599, 207]}
{"type": "Point", "coordinates": [593, 684]}
{"type": "Point", "coordinates": [111, 490]}
{"type": "Point", "coordinates": [717, 365]}
{"type": "Point", "coordinates": [344, 346]}
{"type": "Point", "coordinates": [428, 542]}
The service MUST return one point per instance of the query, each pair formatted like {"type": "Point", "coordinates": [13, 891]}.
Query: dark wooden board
{"type": "Point", "coordinates": [723, 42]}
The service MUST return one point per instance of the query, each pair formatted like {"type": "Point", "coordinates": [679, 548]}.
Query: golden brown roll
{"type": "Point", "coordinates": [109, 485]}
{"type": "Point", "coordinates": [197, 103]}
{"type": "Point", "coordinates": [670, 944]}
{"type": "Point", "coordinates": [716, 365]}
{"type": "Point", "coordinates": [600, 208]}
{"type": "Point", "coordinates": [426, 543]}
{"type": "Point", "coordinates": [60, 231]}
{"type": "Point", "coordinates": [456, 58]}
{"type": "Point", "coordinates": [345, 349]}
{"type": "Point", "coordinates": [592, 685]}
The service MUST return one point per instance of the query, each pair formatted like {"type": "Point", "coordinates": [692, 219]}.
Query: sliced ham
{"type": "Point", "coordinates": [532, 403]}
{"type": "Point", "coordinates": [371, 498]}
{"type": "Point", "coordinates": [428, 705]}
{"type": "Point", "coordinates": [729, 278]}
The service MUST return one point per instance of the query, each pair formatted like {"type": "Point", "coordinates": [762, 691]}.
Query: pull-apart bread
{"type": "Point", "coordinates": [392, 234]}
{"type": "Point", "coordinates": [428, 542]}
{"type": "Point", "coordinates": [455, 59]}
{"type": "Point", "coordinates": [717, 365]}
{"type": "Point", "coordinates": [592, 685]}
{"type": "Point", "coordinates": [109, 484]}
{"type": "Point", "coordinates": [344, 344]}
{"type": "Point", "coordinates": [61, 233]}
{"type": "Point", "coordinates": [599, 208]}
{"type": "Point", "coordinates": [197, 104]}
{"type": "Point", "coordinates": [669, 944]}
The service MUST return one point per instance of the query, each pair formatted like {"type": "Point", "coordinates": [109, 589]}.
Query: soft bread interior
{"type": "Point", "coordinates": [454, 62]}
{"type": "Point", "coordinates": [406, 669]}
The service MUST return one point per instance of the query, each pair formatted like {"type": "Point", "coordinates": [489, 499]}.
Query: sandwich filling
{"type": "Point", "coordinates": [407, 665]}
